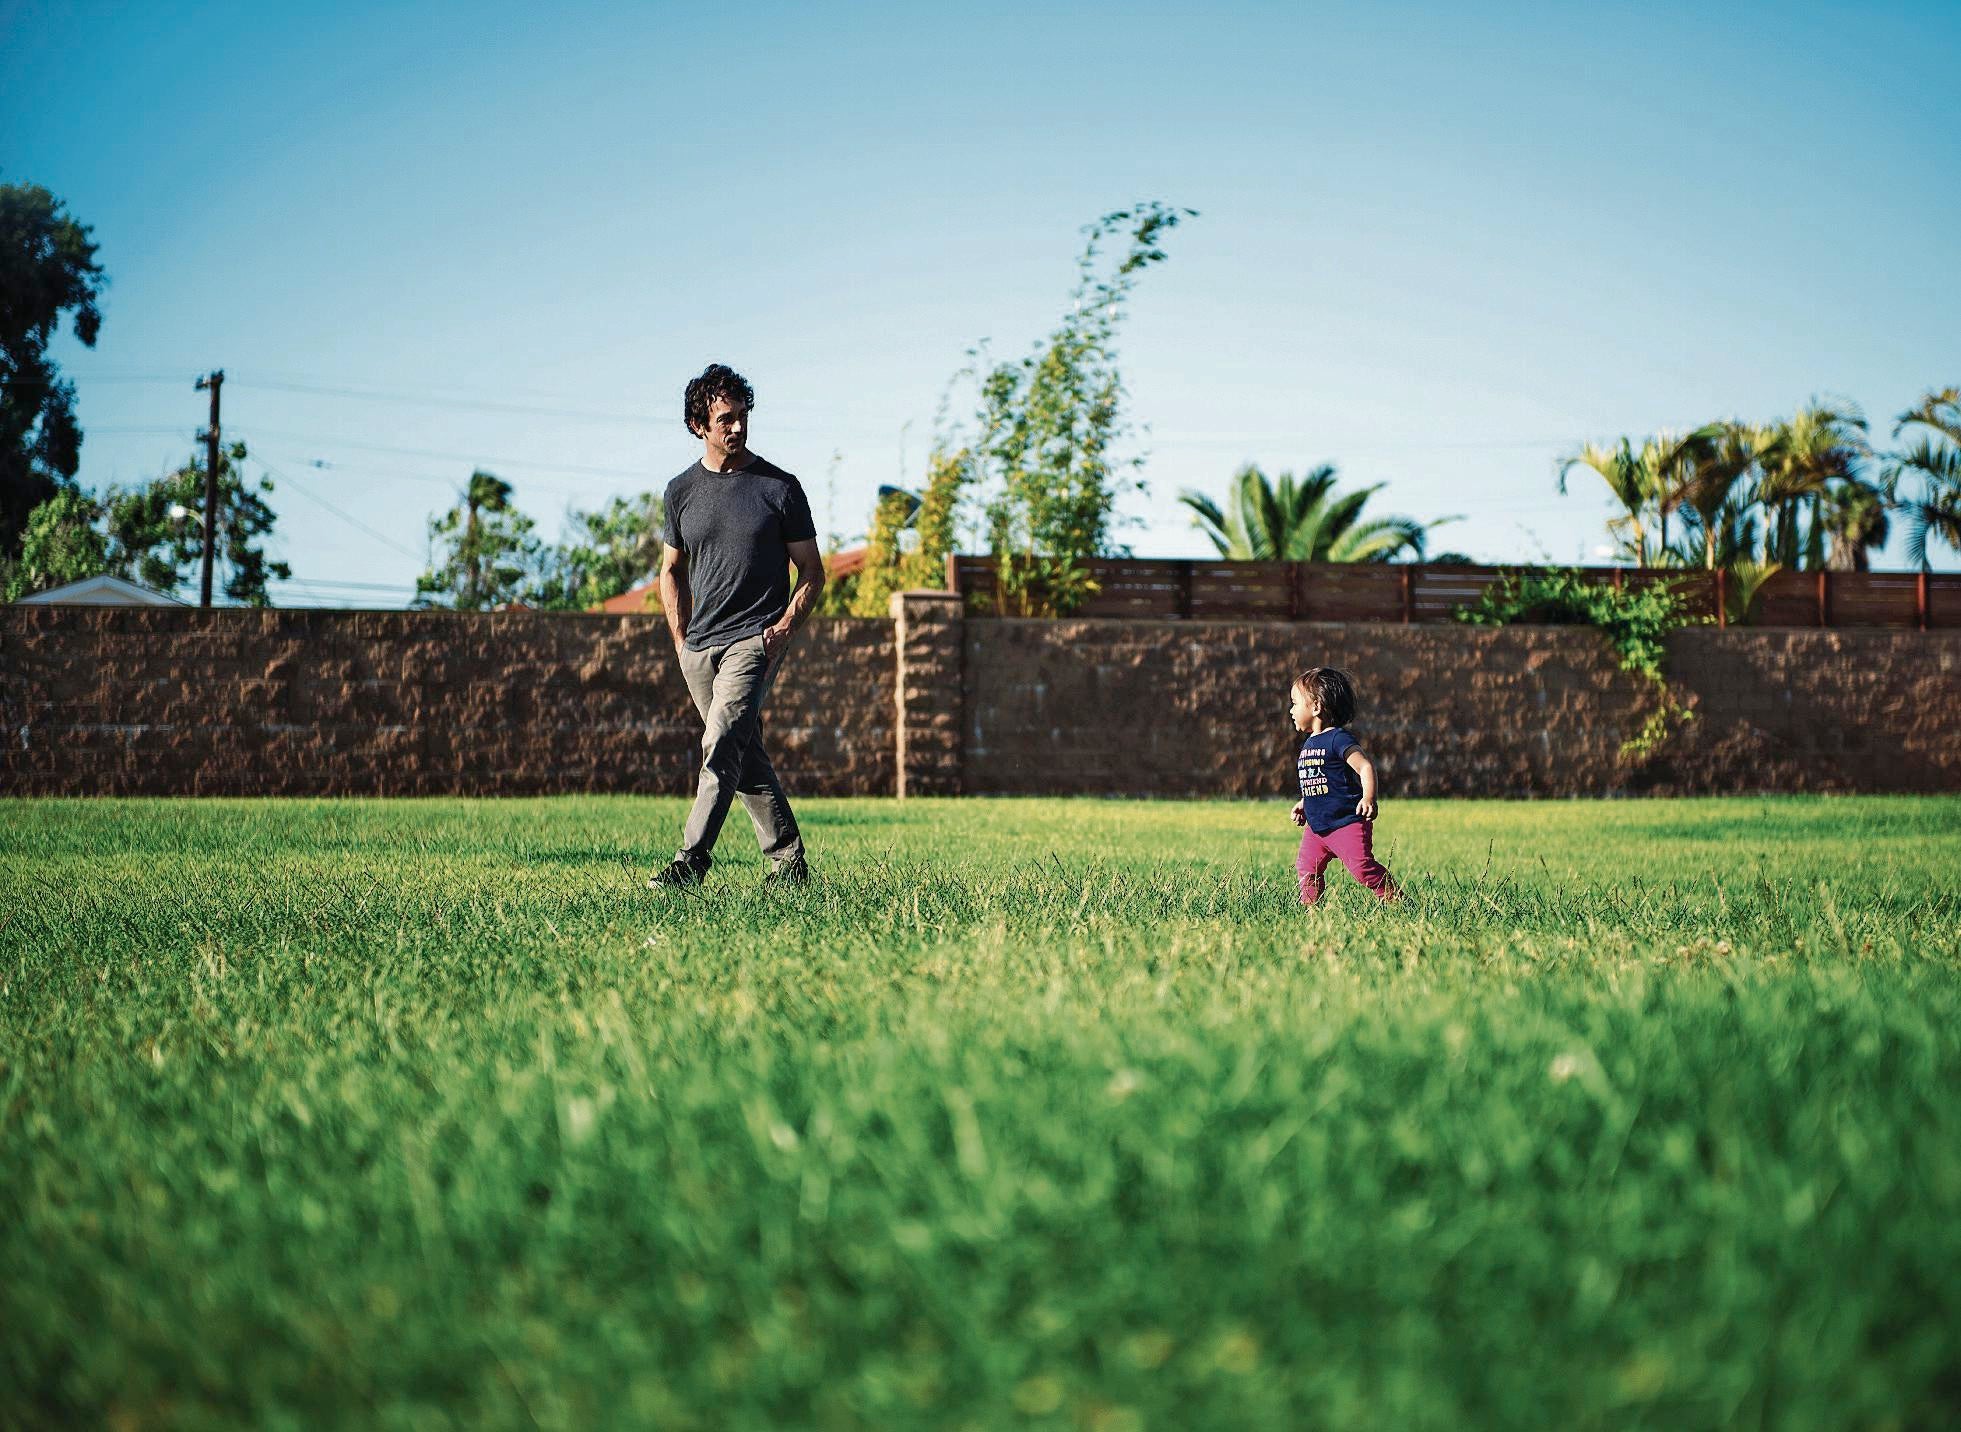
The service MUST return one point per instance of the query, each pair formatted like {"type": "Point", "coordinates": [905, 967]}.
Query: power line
{"type": "Point", "coordinates": [355, 586]}
{"type": "Point", "coordinates": [476, 459]}
{"type": "Point", "coordinates": [294, 455]}
{"type": "Point", "coordinates": [470, 404]}
{"type": "Point", "coordinates": [346, 517]}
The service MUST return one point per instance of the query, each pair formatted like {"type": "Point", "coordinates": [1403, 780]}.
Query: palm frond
{"type": "Point", "coordinates": [1940, 411]}
{"type": "Point", "coordinates": [1209, 519]}
{"type": "Point", "coordinates": [1379, 540]}
{"type": "Point", "coordinates": [1937, 518]}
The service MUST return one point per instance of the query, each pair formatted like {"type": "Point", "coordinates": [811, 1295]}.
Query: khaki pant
{"type": "Point", "coordinates": [729, 685]}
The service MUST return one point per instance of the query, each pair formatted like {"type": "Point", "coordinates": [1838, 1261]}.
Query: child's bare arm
{"type": "Point", "coordinates": [1359, 762]}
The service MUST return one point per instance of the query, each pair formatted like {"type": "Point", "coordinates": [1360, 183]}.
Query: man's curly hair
{"type": "Point", "coordinates": [717, 380]}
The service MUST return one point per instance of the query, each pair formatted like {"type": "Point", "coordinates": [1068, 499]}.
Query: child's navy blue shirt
{"type": "Point", "coordinates": [1329, 786]}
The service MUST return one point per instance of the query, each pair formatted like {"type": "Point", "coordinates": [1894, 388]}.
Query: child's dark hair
{"type": "Point", "coordinates": [1332, 691]}
{"type": "Point", "coordinates": [717, 380]}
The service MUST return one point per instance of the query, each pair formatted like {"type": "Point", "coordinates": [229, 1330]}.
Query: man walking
{"type": "Point", "coordinates": [735, 524]}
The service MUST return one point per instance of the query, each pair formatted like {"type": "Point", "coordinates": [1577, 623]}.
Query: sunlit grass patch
{"type": "Point", "coordinates": [1027, 1112]}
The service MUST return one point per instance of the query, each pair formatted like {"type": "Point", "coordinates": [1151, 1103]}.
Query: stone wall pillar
{"type": "Point", "coordinates": [929, 646]}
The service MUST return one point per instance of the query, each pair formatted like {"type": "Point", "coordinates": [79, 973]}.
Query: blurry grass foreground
{"type": "Point", "coordinates": [1027, 1113]}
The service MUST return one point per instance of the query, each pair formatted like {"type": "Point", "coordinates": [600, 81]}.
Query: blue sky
{"type": "Point", "coordinates": [1437, 245]}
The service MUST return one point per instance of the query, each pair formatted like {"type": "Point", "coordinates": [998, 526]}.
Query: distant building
{"type": "Point", "coordinates": [104, 591]}
{"type": "Point", "coordinates": [632, 602]}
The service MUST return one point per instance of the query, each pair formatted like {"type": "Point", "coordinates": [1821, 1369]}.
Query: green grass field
{"type": "Point", "coordinates": [1029, 1113]}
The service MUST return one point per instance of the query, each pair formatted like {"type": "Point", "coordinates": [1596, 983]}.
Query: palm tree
{"type": "Point", "coordinates": [1855, 520]}
{"type": "Point", "coordinates": [1670, 461]}
{"type": "Point", "coordinates": [1303, 520]}
{"type": "Point", "coordinates": [1820, 448]}
{"type": "Point", "coordinates": [1644, 480]}
{"type": "Point", "coordinates": [1722, 457]}
{"type": "Point", "coordinates": [1935, 458]}
{"type": "Point", "coordinates": [1626, 475]}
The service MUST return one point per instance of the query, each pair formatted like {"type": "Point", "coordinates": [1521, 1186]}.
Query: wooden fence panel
{"type": "Point", "coordinates": [1875, 599]}
{"type": "Point", "coordinates": [1160, 589]}
{"type": "Point", "coordinates": [1436, 593]}
{"type": "Point", "coordinates": [1350, 592]}
{"type": "Point", "coordinates": [1944, 600]}
{"type": "Point", "coordinates": [1788, 599]}
{"type": "Point", "coordinates": [1137, 588]}
{"type": "Point", "coordinates": [1242, 591]}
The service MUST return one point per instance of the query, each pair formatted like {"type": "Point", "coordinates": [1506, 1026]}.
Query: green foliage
{"type": "Point", "coordinates": [879, 578]}
{"type": "Point", "coordinates": [61, 544]}
{"type": "Point", "coordinates": [47, 271]}
{"type": "Point", "coordinates": [1744, 584]}
{"type": "Point", "coordinates": [376, 1113]}
{"type": "Point", "coordinates": [1636, 623]}
{"type": "Point", "coordinates": [487, 551]}
{"type": "Point", "coordinates": [840, 588]}
{"type": "Point", "coordinates": [1796, 493]}
{"type": "Point", "coordinates": [1933, 460]}
{"type": "Point", "coordinates": [156, 531]}
{"type": "Point", "coordinates": [1649, 482]}
{"type": "Point", "coordinates": [1047, 426]}
{"type": "Point", "coordinates": [1303, 521]}
{"type": "Point", "coordinates": [911, 536]}
{"type": "Point", "coordinates": [606, 552]}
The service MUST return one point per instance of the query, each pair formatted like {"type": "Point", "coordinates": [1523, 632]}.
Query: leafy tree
{"type": "Point", "coordinates": [488, 550]}
{"type": "Point", "coordinates": [1627, 478]}
{"type": "Point", "coordinates": [156, 531]}
{"type": "Point", "coordinates": [1855, 520]}
{"type": "Point", "coordinates": [606, 552]}
{"type": "Point", "coordinates": [878, 578]}
{"type": "Point", "coordinates": [1716, 493]}
{"type": "Point", "coordinates": [1303, 520]}
{"type": "Point", "coordinates": [1934, 459]}
{"type": "Point", "coordinates": [1819, 448]}
{"type": "Point", "coordinates": [61, 543]}
{"type": "Point", "coordinates": [47, 269]}
{"type": "Point", "coordinates": [911, 536]}
{"type": "Point", "coordinates": [1649, 482]}
{"type": "Point", "coordinates": [1047, 426]}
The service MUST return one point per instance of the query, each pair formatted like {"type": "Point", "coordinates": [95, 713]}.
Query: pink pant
{"type": "Point", "coordinates": [1354, 846]}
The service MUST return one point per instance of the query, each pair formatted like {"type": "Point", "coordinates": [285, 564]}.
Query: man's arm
{"type": "Point", "coordinates": [675, 598]}
{"type": "Point", "coordinates": [1358, 762]}
{"type": "Point", "coordinates": [809, 563]}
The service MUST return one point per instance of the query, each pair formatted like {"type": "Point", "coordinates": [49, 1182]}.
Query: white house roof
{"type": "Point", "coordinates": [104, 591]}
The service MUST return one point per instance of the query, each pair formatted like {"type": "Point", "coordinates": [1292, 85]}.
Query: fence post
{"type": "Point", "coordinates": [1920, 598]}
{"type": "Point", "coordinates": [1185, 590]}
{"type": "Point", "coordinates": [1409, 596]}
{"type": "Point", "coordinates": [952, 573]}
{"type": "Point", "coordinates": [928, 651]}
{"type": "Point", "coordinates": [1293, 591]}
{"type": "Point", "coordinates": [1722, 597]}
{"type": "Point", "coordinates": [1824, 598]}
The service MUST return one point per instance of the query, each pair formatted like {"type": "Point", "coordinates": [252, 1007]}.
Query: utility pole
{"type": "Point", "coordinates": [213, 382]}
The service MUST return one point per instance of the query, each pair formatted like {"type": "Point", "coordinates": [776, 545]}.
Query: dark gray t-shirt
{"type": "Point", "coordinates": [736, 529]}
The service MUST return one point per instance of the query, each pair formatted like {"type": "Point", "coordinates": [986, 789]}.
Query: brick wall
{"type": "Point", "coordinates": [1199, 708]}
{"type": "Point", "coordinates": [101, 701]}
{"type": "Point", "coordinates": [167, 700]}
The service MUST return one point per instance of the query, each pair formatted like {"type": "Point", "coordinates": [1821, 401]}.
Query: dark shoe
{"type": "Point", "coordinates": [789, 872]}
{"type": "Point", "coordinates": [676, 874]}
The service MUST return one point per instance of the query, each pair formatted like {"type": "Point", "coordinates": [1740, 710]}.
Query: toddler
{"type": "Point", "coordinates": [1337, 803]}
